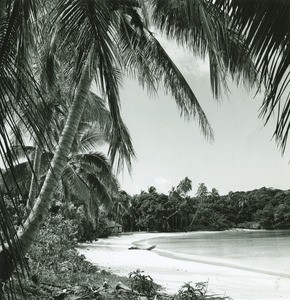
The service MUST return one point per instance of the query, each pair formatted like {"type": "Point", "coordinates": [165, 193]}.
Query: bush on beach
{"type": "Point", "coordinates": [57, 271]}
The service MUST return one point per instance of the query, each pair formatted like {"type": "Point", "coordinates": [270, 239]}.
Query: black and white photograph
{"type": "Point", "coordinates": [144, 149]}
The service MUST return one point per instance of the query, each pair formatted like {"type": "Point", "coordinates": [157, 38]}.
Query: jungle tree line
{"type": "Point", "coordinates": [264, 208]}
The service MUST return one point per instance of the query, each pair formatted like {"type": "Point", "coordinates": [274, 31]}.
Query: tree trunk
{"type": "Point", "coordinates": [196, 213]}
{"type": "Point", "coordinates": [26, 235]}
{"type": "Point", "coordinates": [34, 184]}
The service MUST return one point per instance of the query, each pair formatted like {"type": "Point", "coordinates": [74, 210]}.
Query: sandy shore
{"type": "Point", "coordinates": [113, 254]}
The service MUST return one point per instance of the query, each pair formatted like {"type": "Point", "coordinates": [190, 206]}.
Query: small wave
{"type": "Point", "coordinates": [217, 262]}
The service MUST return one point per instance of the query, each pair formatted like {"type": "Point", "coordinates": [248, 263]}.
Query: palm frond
{"type": "Point", "coordinates": [88, 138]}
{"type": "Point", "coordinates": [97, 111]}
{"type": "Point", "coordinates": [17, 178]}
{"type": "Point", "coordinates": [99, 190]}
{"type": "Point", "coordinates": [74, 186]}
{"type": "Point", "coordinates": [92, 25]}
{"type": "Point", "coordinates": [202, 28]}
{"type": "Point", "coordinates": [265, 25]}
{"type": "Point", "coordinates": [21, 152]}
{"type": "Point", "coordinates": [74, 183]}
{"type": "Point", "coordinates": [16, 74]}
{"type": "Point", "coordinates": [154, 66]}
{"type": "Point", "coordinates": [14, 43]}
{"type": "Point", "coordinates": [88, 177]}
{"type": "Point", "coordinates": [121, 149]}
{"type": "Point", "coordinates": [96, 163]}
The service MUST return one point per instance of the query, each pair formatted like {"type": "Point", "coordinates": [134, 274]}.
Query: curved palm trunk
{"type": "Point", "coordinates": [34, 178]}
{"type": "Point", "coordinates": [27, 234]}
{"type": "Point", "coordinates": [196, 213]}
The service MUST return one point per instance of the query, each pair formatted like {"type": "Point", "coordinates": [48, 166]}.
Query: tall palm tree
{"type": "Point", "coordinates": [184, 187]}
{"type": "Point", "coordinates": [201, 194]}
{"type": "Point", "coordinates": [101, 39]}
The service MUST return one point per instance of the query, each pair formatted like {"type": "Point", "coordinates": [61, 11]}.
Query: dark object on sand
{"type": "Point", "coordinates": [137, 248]}
{"type": "Point", "coordinates": [122, 286]}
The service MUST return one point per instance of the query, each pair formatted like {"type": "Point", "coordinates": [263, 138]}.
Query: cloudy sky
{"type": "Point", "coordinates": [242, 157]}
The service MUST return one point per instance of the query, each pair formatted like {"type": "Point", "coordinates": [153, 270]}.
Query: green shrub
{"type": "Point", "coordinates": [141, 283]}
{"type": "Point", "coordinates": [188, 292]}
{"type": "Point", "coordinates": [54, 252]}
{"type": "Point", "coordinates": [196, 292]}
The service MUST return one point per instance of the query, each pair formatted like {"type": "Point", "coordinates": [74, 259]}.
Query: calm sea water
{"type": "Point", "coordinates": [259, 251]}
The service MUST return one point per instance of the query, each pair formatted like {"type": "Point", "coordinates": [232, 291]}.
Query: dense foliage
{"type": "Point", "coordinates": [57, 271]}
{"type": "Point", "coordinates": [264, 208]}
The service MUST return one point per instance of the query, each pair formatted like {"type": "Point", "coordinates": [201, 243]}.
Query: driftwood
{"type": "Point", "coordinates": [122, 286]}
{"type": "Point", "coordinates": [137, 248]}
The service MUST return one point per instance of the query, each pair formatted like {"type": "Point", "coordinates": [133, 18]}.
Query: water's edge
{"type": "Point", "coordinates": [144, 243]}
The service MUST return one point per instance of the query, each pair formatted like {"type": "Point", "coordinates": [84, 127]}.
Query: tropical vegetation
{"type": "Point", "coordinates": [264, 208]}
{"type": "Point", "coordinates": [54, 53]}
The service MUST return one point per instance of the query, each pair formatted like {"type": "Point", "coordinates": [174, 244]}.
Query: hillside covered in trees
{"type": "Point", "coordinates": [264, 208]}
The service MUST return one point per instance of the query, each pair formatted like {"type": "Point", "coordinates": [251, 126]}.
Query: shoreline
{"type": "Point", "coordinates": [206, 260]}
{"type": "Point", "coordinates": [113, 255]}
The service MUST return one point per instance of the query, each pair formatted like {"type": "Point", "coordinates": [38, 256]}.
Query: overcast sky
{"type": "Point", "coordinates": [242, 157]}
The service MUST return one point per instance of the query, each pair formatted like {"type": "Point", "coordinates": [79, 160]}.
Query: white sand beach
{"type": "Point", "coordinates": [113, 254]}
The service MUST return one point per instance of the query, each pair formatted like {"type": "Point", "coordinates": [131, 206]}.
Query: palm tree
{"type": "Point", "coordinates": [121, 205]}
{"type": "Point", "coordinates": [87, 175]}
{"type": "Point", "coordinates": [100, 39]}
{"type": "Point", "coordinates": [214, 193]}
{"type": "Point", "coordinates": [266, 38]}
{"type": "Point", "coordinates": [184, 187]}
{"type": "Point", "coordinates": [152, 190]}
{"type": "Point", "coordinates": [17, 82]}
{"type": "Point", "coordinates": [201, 193]}
{"type": "Point", "coordinates": [176, 200]}
{"type": "Point", "coordinates": [243, 201]}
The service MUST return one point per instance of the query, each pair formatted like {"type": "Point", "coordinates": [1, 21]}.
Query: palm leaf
{"type": "Point", "coordinates": [155, 66]}
{"type": "Point", "coordinates": [96, 111]}
{"type": "Point", "coordinates": [99, 190]}
{"type": "Point", "coordinates": [264, 24]}
{"type": "Point", "coordinates": [16, 37]}
{"type": "Point", "coordinates": [96, 163]}
{"type": "Point", "coordinates": [17, 178]}
{"type": "Point", "coordinates": [75, 184]}
{"type": "Point", "coordinates": [89, 137]}
{"type": "Point", "coordinates": [202, 28]}
{"type": "Point", "coordinates": [121, 148]}
{"type": "Point", "coordinates": [21, 151]}
{"type": "Point", "coordinates": [92, 25]}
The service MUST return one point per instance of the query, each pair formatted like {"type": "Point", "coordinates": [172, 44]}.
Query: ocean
{"type": "Point", "coordinates": [260, 251]}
